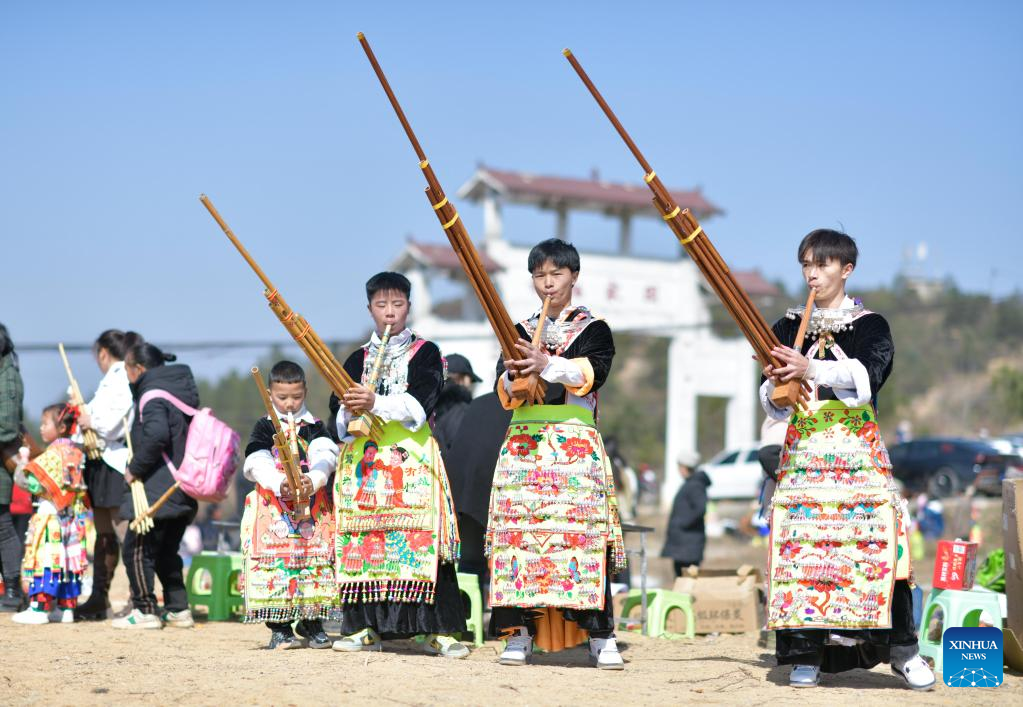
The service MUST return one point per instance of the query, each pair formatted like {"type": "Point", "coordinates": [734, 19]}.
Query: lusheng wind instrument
{"type": "Point", "coordinates": [91, 441]}
{"type": "Point", "coordinates": [296, 325]}
{"type": "Point", "coordinates": [287, 452]}
{"type": "Point", "coordinates": [694, 239]}
{"type": "Point", "coordinates": [784, 393]}
{"type": "Point", "coordinates": [139, 501]}
{"type": "Point", "coordinates": [459, 238]}
{"type": "Point", "coordinates": [527, 387]}
{"type": "Point", "coordinates": [359, 425]}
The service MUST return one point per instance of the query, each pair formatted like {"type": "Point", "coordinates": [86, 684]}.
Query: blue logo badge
{"type": "Point", "coordinates": [972, 657]}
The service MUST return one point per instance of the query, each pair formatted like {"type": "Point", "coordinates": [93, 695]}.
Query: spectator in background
{"type": "Point", "coordinates": [772, 436]}
{"type": "Point", "coordinates": [686, 536]}
{"type": "Point", "coordinates": [157, 438]}
{"type": "Point", "coordinates": [453, 401]}
{"type": "Point", "coordinates": [106, 415]}
{"type": "Point", "coordinates": [11, 394]}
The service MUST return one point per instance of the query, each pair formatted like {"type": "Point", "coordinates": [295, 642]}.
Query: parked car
{"type": "Point", "coordinates": [735, 473]}
{"type": "Point", "coordinates": [945, 466]}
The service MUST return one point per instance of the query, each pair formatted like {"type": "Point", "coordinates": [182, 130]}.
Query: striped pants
{"type": "Point", "coordinates": [153, 555]}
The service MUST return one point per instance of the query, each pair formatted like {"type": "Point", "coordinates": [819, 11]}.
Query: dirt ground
{"type": "Point", "coordinates": [226, 663]}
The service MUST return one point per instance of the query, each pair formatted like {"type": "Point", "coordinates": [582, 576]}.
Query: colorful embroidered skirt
{"type": "Point", "coordinates": [289, 567]}
{"type": "Point", "coordinates": [395, 520]}
{"type": "Point", "coordinates": [553, 513]}
{"type": "Point", "coordinates": [837, 539]}
{"type": "Point", "coordinates": [55, 545]}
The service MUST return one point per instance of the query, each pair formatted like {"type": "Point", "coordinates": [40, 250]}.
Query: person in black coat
{"type": "Point", "coordinates": [687, 536]}
{"type": "Point", "coordinates": [453, 401]}
{"type": "Point", "coordinates": [159, 430]}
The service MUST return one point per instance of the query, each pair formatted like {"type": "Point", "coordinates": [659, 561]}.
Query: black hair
{"type": "Point", "coordinates": [287, 372]}
{"type": "Point", "coordinates": [7, 344]}
{"type": "Point", "coordinates": [116, 342]}
{"type": "Point", "coordinates": [148, 356]}
{"type": "Point", "coordinates": [562, 254]}
{"type": "Point", "coordinates": [826, 244]}
{"type": "Point", "coordinates": [61, 418]}
{"type": "Point", "coordinates": [384, 281]}
{"type": "Point", "coordinates": [370, 443]}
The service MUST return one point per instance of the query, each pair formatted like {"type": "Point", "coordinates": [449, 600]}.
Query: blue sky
{"type": "Point", "coordinates": [899, 122]}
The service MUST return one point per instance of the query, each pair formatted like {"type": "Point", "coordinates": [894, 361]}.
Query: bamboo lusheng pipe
{"type": "Point", "coordinates": [295, 324]}
{"type": "Point", "coordinates": [752, 324]}
{"type": "Point", "coordinates": [359, 424]}
{"type": "Point", "coordinates": [89, 438]}
{"type": "Point", "coordinates": [287, 455]}
{"type": "Point", "coordinates": [137, 523]}
{"type": "Point", "coordinates": [138, 490]}
{"type": "Point", "coordinates": [525, 387]}
{"type": "Point", "coordinates": [451, 222]}
{"type": "Point", "coordinates": [789, 394]}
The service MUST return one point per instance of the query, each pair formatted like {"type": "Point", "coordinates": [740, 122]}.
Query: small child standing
{"type": "Point", "coordinates": [289, 573]}
{"type": "Point", "coordinates": [55, 547]}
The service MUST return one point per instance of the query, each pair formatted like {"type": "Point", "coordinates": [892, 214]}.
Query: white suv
{"type": "Point", "coordinates": [735, 473]}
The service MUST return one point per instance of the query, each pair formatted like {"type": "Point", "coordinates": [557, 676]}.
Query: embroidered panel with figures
{"type": "Point", "coordinates": [394, 516]}
{"type": "Point", "coordinates": [838, 542]}
{"type": "Point", "coordinates": [289, 563]}
{"type": "Point", "coordinates": [553, 514]}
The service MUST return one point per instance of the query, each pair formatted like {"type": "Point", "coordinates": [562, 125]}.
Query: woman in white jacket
{"type": "Point", "coordinates": [106, 414]}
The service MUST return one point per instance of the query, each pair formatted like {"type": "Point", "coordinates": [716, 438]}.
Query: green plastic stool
{"type": "Point", "coordinates": [660, 602]}
{"type": "Point", "coordinates": [221, 599]}
{"type": "Point", "coordinates": [469, 584]}
{"type": "Point", "coordinates": [959, 609]}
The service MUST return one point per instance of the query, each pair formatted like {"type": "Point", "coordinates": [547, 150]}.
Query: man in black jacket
{"type": "Point", "coordinates": [453, 401]}
{"type": "Point", "coordinates": [159, 432]}
{"type": "Point", "coordinates": [686, 534]}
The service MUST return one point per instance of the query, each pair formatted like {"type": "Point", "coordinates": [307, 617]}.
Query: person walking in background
{"type": "Point", "coordinates": [158, 436]}
{"type": "Point", "coordinates": [12, 392]}
{"type": "Point", "coordinates": [686, 534]}
{"type": "Point", "coordinates": [106, 415]}
{"type": "Point", "coordinates": [453, 401]}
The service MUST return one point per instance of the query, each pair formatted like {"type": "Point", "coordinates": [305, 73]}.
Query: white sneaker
{"type": "Point", "coordinates": [137, 620]}
{"type": "Point", "coordinates": [447, 646]}
{"type": "Point", "coordinates": [365, 640]}
{"type": "Point", "coordinates": [517, 650]}
{"type": "Point", "coordinates": [178, 619]}
{"type": "Point", "coordinates": [62, 616]}
{"type": "Point", "coordinates": [32, 617]}
{"type": "Point", "coordinates": [604, 654]}
{"type": "Point", "coordinates": [804, 676]}
{"type": "Point", "coordinates": [917, 674]}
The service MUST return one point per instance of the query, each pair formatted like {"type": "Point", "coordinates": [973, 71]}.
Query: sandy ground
{"type": "Point", "coordinates": [224, 663]}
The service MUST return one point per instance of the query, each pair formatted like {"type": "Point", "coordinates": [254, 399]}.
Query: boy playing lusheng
{"type": "Point", "coordinates": [840, 575]}
{"type": "Point", "coordinates": [289, 573]}
{"type": "Point", "coordinates": [553, 524]}
{"type": "Point", "coordinates": [397, 541]}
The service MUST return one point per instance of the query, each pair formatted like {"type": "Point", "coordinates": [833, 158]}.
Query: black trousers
{"type": "Point", "coordinates": [11, 547]}
{"type": "Point", "coordinates": [156, 553]}
{"type": "Point", "coordinates": [809, 646]}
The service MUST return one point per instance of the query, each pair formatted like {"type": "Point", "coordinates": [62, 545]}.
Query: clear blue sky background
{"type": "Point", "coordinates": [899, 122]}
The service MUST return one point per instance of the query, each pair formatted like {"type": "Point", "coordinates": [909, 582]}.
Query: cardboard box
{"type": "Point", "coordinates": [724, 601]}
{"type": "Point", "coordinates": [1012, 537]}
{"type": "Point", "coordinates": [955, 565]}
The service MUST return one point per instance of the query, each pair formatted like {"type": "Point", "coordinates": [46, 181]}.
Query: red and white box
{"type": "Point", "coordinates": [955, 566]}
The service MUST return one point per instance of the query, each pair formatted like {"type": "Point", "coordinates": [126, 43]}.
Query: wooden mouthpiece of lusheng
{"type": "Point", "coordinates": [791, 394]}
{"type": "Point", "coordinates": [361, 426]}
{"type": "Point", "coordinates": [532, 388]}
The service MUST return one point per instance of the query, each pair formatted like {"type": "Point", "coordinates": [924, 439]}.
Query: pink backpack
{"type": "Point", "coordinates": [211, 451]}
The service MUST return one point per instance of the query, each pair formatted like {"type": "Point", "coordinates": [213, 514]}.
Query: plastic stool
{"type": "Point", "coordinates": [221, 599]}
{"type": "Point", "coordinates": [958, 608]}
{"type": "Point", "coordinates": [469, 584]}
{"type": "Point", "coordinates": [660, 602]}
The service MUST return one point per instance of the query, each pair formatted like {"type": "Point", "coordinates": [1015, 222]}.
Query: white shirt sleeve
{"type": "Point", "coordinates": [401, 408]}
{"type": "Point", "coordinates": [260, 468]}
{"type": "Point", "coordinates": [322, 456]}
{"type": "Point", "coordinates": [561, 370]}
{"type": "Point", "coordinates": [111, 404]}
{"type": "Point", "coordinates": [848, 378]}
{"type": "Point", "coordinates": [776, 413]}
